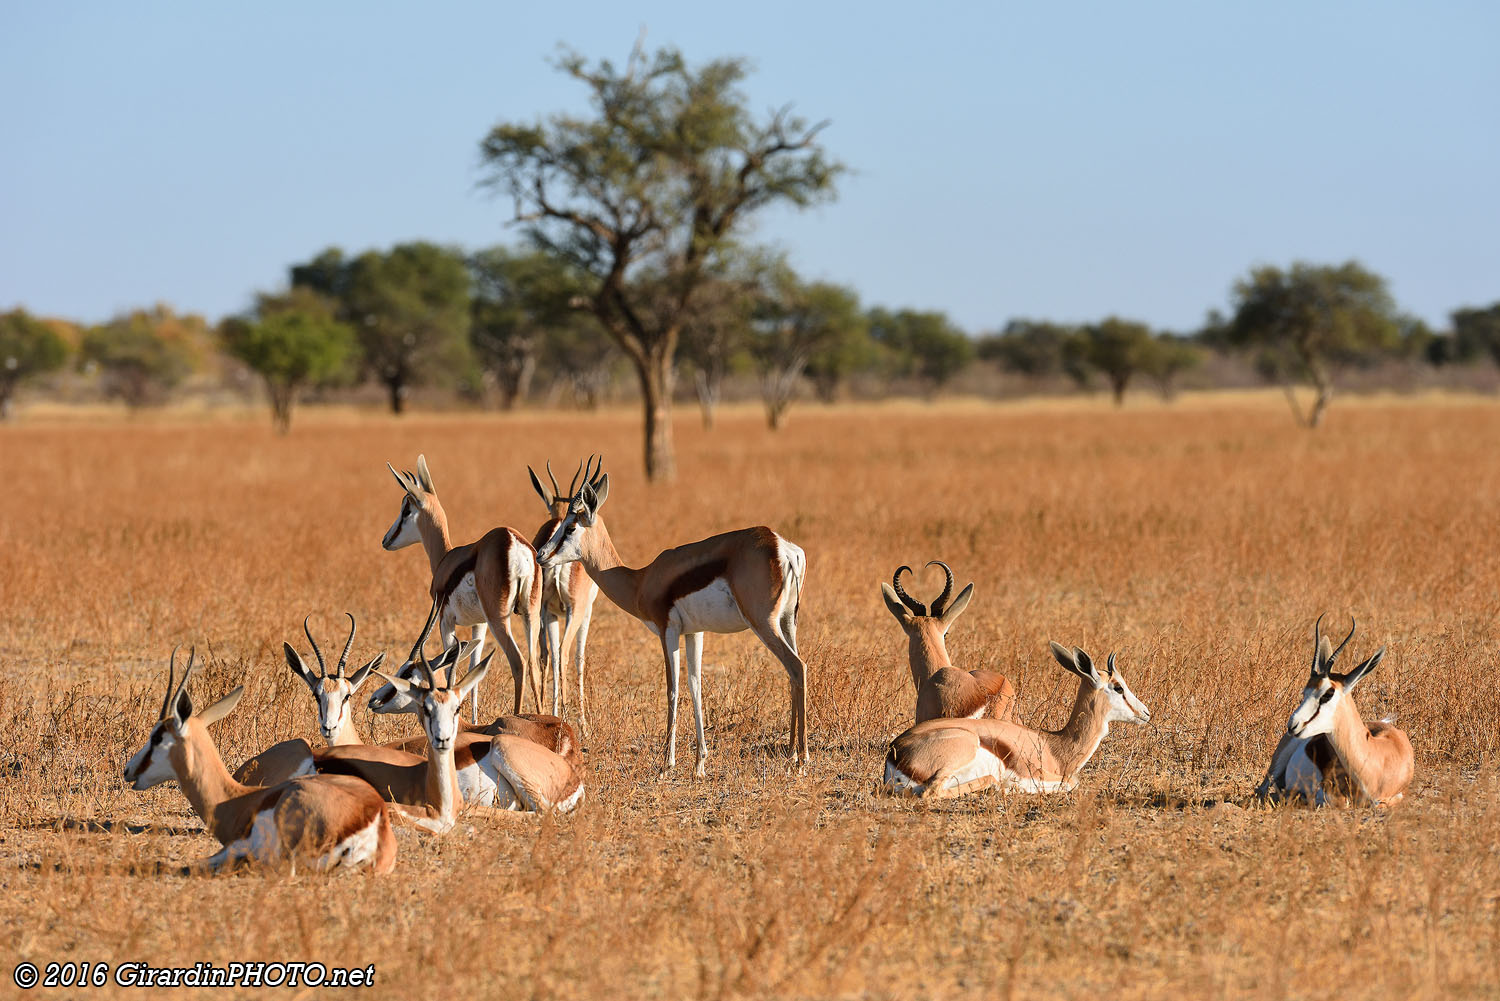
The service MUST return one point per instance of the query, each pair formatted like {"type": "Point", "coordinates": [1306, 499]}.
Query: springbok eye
{"type": "Point", "coordinates": [1326, 696]}
{"type": "Point", "coordinates": [1119, 688]}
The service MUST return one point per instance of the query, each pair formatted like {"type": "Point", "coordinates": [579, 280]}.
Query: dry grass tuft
{"type": "Point", "coordinates": [1200, 542]}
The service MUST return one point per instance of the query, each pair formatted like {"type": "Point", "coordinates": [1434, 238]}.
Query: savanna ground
{"type": "Point", "coordinates": [1199, 540]}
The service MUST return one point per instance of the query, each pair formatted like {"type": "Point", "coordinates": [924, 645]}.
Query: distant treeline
{"type": "Point", "coordinates": [502, 327]}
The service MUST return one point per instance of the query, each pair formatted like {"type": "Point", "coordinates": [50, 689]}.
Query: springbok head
{"type": "Point", "coordinates": [565, 544]}
{"type": "Point", "coordinates": [1325, 689]}
{"type": "Point", "coordinates": [555, 500]}
{"type": "Point", "coordinates": [419, 494]}
{"type": "Point", "coordinates": [333, 691]}
{"type": "Point", "coordinates": [390, 700]}
{"type": "Point", "coordinates": [915, 616]}
{"type": "Point", "coordinates": [165, 752]}
{"type": "Point", "coordinates": [436, 698]}
{"type": "Point", "coordinates": [1124, 707]}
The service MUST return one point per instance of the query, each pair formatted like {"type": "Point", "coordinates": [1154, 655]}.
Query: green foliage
{"type": "Point", "coordinates": [28, 348]}
{"type": "Point", "coordinates": [655, 180]}
{"type": "Point", "coordinates": [1118, 348]}
{"type": "Point", "coordinates": [518, 299]}
{"type": "Point", "coordinates": [795, 321]}
{"type": "Point", "coordinates": [1038, 349]}
{"type": "Point", "coordinates": [144, 354]}
{"type": "Point", "coordinates": [925, 345]}
{"type": "Point", "coordinates": [293, 340]}
{"type": "Point", "coordinates": [409, 308]}
{"type": "Point", "coordinates": [1476, 332]}
{"type": "Point", "coordinates": [1166, 358]}
{"type": "Point", "coordinates": [1301, 321]}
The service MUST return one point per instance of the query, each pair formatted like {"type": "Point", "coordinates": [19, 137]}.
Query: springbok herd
{"type": "Point", "coordinates": [332, 805]}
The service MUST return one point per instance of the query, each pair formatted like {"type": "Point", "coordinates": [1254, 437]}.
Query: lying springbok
{"type": "Point", "coordinates": [478, 584]}
{"type": "Point", "coordinates": [1329, 754]}
{"type": "Point", "coordinates": [291, 758]}
{"type": "Point", "coordinates": [568, 595]}
{"type": "Point", "coordinates": [749, 579]}
{"type": "Point", "coordinates": [427, 792]}
{"type": "Point", "coordinates": [944, 691]}
{"type": "Point", "coordinates": [329, 821]}
{"type": "Point", "coordinates": [942, 758]}
{"type": "Point", "coordinates": [510, 769]}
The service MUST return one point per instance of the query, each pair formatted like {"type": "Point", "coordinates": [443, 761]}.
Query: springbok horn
{"type": "Point", "coordinates": [182, 684]}
{"type": "Point", "coordinates": [416, 649]}
{"type": "Point", "coordinates": [942, 599]}
{"type": "Point", "coordinates": [573, 485]}
{"type": "Point", "coordinates": [556, 490]}
{"type": "Point", "coordinates": [916, 606]}
{"type": "Point", "coordinates": [598, 471]}
{"type": "Point", "coordinates": [166, 700]}
{"type": "Point", "coordinates": [322, 667]}
{"type": "Point", "coordinates": [1340, 648]}
{"type": "Point", "coordinates": [339, 671]}
{"type": "Point", "coordinates": [1317, 667]}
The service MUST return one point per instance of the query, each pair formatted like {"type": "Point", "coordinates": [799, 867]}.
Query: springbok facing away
{"type": "Point", "coordinates": [950, 757]}
{"type": "Point", "coordinates": [330, 821]}
{"type": "Point", "coordinates": [749, 579]}
{"type": "Point", "coordinates": [288, 759]}
{"type": "Point", "coordinates": [1328, 753]}
{"type": "Point", "coordinates": [944, 691]}
{"type": "Point", "coordinates": [479, 584]}
{"type": "Point", "coordinates": [568, 595]}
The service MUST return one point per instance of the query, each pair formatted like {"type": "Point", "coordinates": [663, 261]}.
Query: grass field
{"type": "Point", "coordinates": [1200, 541]}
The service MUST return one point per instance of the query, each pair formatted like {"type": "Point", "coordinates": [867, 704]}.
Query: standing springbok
{"type": "Point", "coordinates": [942, 758]}
{"type": "Point", "coordinates": [478, 584]}
{"type": "Point", "coordinates": [944, 691]}
{"type": "Point", "coordinates": [331, 821]}
{"type": "Point", "coordinates": [568, 595]}
{"type": "Point", "coordinates": [511, 768]}
{"type": "Point", "coordinates": [749, 579]}
{"type": "Point", "coordinates": [291, 758]}
{"type": "Point", "coordinates": [1329, 754]}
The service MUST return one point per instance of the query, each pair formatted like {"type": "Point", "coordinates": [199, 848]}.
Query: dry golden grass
{"type": "Point", "coordinates": [1200, 541]}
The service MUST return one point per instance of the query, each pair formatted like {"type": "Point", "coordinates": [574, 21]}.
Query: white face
{"type": "Point", "coordinates": [440, 717]}
{"type": "Point", "coordinates": [565, 545]}
{"type": "Point", "coordinates": [333, 705]}
{"type": "Point", "coordinates": [403, 531]}
{"type": "Point", "coordinates": [388, 699]}
{"type": "Point", "coordinates": [1124, 707]}
{"type": "Point", "coordinates": [152, 764]}
{"type": "Point", "coordinates": [1314, 715]}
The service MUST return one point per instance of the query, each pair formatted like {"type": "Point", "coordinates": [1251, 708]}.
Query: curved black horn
{"type": "Point", "coordinates": [916, 607]}
{"type": "Point", "coordinates": [556, 490]}
{"type": "Point", "coordinates": [416, 650]}
{"type": "Point", "coordinates": [322, 667]}
{"type": "Point", "coordinates": [339, 671]}
{"type": "Point", "coordinates": [1340, 648]}
{"type": "Point", "coordinates": [942, 600]}
{"type": "Point", "coordinates": [166, 700]}
{"type": "Point", "coordinates": [598, 471]}
{"type": "Point", "coordinates": [573, 485]}
{"type": "Point", "coordinates": [1317, 667]}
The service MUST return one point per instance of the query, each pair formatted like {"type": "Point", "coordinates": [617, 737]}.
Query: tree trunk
{"type": "Point", "coordinates": [826, 386]}
{"type": "Point", "coordinates": [514, 381]}
{"type": "Point", "coordinates": [708, 385]}
{"type": "Point", "coordinates": [396, 387]}
{"type": "Point", "coordinates": [656, 397]}
{"type": "Point", "coordinates": [7, 389]}
{"type": "Point", "coordinates": [281, 406]}
{"type": "Point", "coordinates": [1117, 383]}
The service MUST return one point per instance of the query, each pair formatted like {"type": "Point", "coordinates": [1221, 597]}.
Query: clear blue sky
{"type": "Point", "coordinates": [1049, 160]}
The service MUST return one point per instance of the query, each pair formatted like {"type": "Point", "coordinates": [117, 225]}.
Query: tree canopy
{"type": "Point", "coordinates": [292, 340]}
{"type": "Point", "coordinates": [145, 353]}
{"type": "Point", "coordinates": [28, 348]}
{"type": "Point", "coordinates": [668, 165]}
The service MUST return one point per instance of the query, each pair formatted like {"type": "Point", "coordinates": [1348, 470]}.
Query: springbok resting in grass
{"type": "Point", "coordinates": [512, 768]}
{"type": "Point", "coordinates": [950, 757]}
{"type": "Point", "coordinates": [327, 820]}
{"type": "Point", "coordinates": [749, 579]}
{"type": "Point", "coordinates": [333, 692]}
{"type": "Point", "coordinates": [568, 595]}
{"type": "Point", "coordinates": [479, 584]}
{"type": "Point", "coordinates": [1329, 754]}
{"type": "Point", "coordinates": [944, 691]}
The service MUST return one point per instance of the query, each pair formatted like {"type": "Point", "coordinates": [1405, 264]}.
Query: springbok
{"type": "Point", "coordinates": [944, 691]}
{"type": "Point", "coordinates": [478, 584]}
{"type": "Point", "coordinates": [1329, 754]}
{"type": "Point", "coordinates": [568, 595]}
{"type": "Point", "coordinates": [511, 768]}
{"type": "Point", "coordinates": [749, 579]}
{"type": "Point", "coordinates": [291, 758]}
{"type": "Point", "coordinates": [331, 821]}
{"type": "Point", "coordinates": [942, 758]}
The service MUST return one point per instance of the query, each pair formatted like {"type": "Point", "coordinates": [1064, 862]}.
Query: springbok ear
{"type": "Point", "coordinates": [475, 676]}
{"type": "Point", "coordinates": [423, 476]}
{"type": "Point", "coordinates": [900, 611]}
{"type": "Point", "coordinates": [1086, 667]}
{"type": "Point", "coordinates": [182, 709]}
{"type": "Point", "coordinates": [221, 708]}
{"type": "Point", "coordinates": [1357, 675]}
{"type": "Point", "coordinates": [363, 674]}
{"type": "Point", "coordinates": [399, 684]}
{"type": "Point", "coordinates": [1065, 657]}
{"type": "Point", "coordinates": [406, 484]}
{"type": "Point", "coordinates": [541, 491]}
{"type": "Point", "coordinates": [600, 489]}
{"type": "Point", "coordinates": [299, 668]}
{"type": "Point", "coordinates": [957, 606]}
{"type": "Point", "coordinates": [1325, 650]}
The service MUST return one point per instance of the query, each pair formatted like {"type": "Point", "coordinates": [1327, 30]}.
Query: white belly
{"type": "Point", "coordinates": [555, 589]}
{"type": "Point", "coordinates": [463, 602]}
{"type": "Point", "coordinates": [711, 610]}
{"type": "Point", "coordinates": [356, 850]}
{"type": "Point", "coordinates": [476, 786]}
{"type": "Point", "coordinates": [1304, 777]}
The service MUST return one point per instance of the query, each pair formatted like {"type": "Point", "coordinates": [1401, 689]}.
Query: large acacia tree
{"type": "Point", "coordinates": [666, 168]}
